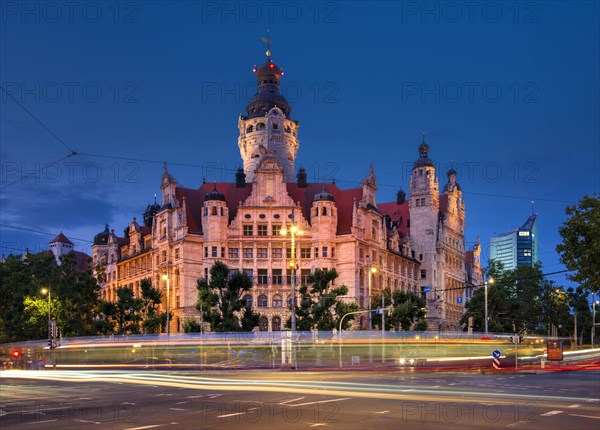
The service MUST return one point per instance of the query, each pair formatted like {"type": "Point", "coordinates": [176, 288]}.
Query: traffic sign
{"type": "Point", "coordinates": [459, 300]}
{"type": "Point", "coordinates": [426, 289]}
{"type": "Point", "coordinates": [496, 354]}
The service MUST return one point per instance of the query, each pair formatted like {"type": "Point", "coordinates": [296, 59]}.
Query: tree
{"type": "Point", "coordinates": [153, 320]}
{"type": "Point", "coordinates": [519, 300]}
{"type": "Point", "coordinates": [580, 247]}
{"type": "Point", "coordinates": [406, 309]}
{"type": "Point", "coordinates": [220, 300]}
{"type": "Point", "coordinates": [126, 311]}
{"type": "Point", "coordinates": [23, 308]}
{"type": "Point", "coordinates": [320, 305]}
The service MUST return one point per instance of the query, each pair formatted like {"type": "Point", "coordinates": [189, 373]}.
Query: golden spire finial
{"type": "Point", "coordinates": [267, 40]}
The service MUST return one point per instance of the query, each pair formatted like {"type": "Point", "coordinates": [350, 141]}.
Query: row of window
{"type": "Point", "coordinates": [263, 301]}
{"type": "Point", "coordinates": [262, 230]}
{"type": "Point", "coordinates": [215, 252]}
{"type": "Point", "coordinates": [276, 277]}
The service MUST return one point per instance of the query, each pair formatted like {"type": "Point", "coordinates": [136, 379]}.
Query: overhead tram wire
{"type": "Point", "coordinates": [541, 275]}
{"type": "Point", "coordinates": [45, 166]}
{"type": "Point", "coordinates": [14, 227]}
{"type": "Point", "coordinates": [72, 153]}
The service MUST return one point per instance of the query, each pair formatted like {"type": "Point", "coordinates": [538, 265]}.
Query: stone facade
{"type": "Point", "coordinates": [413, 243]}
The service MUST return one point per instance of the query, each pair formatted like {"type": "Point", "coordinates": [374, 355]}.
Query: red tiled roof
{"type": "Point", "coordinates": [61, 238]}
{"type": "Point", "coordinates": [344, 199]}
{"type": "Point", "coordinates": [145, 230]}
{"type": "Point", "coordinates": [469, 257]}
{"type": "Point", "coordinates": [443, 203]}
{"type": "Point", "coordinates": [395, 212]}
{"type": "Point", "coordinates": [81, 260]}
{"type": "Point", "coordinates": [194, 199]}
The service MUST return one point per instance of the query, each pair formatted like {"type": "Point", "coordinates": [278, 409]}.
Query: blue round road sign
{"type": "Point", "coordinates": [496, 354]}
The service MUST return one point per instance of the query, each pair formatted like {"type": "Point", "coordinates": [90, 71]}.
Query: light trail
{"type": "Point", "coordinates": [321, 388]}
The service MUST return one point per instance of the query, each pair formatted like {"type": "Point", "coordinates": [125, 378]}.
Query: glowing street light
{"type": "Point", "coordinates": [491, 282]}
{"type": "Point", "coordinates": [166, 278]}
{"type": "Point", "coordinates": [372, 270]}
{"type": "Point", "coordinates": [294, 230]}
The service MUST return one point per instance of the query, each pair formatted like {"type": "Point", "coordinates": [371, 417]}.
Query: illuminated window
{"type": "Point", "coordinates": [277, 277]}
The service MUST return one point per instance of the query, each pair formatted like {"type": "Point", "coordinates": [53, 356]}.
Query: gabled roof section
{"type": "Point", "coordinates": [61, 238]}
{"type": "Point", "coordinates": [397, 212]}
{"type": "Point", "coordinates": [344, 199]}
{"type": "Point", "coordinates": [194, 200]}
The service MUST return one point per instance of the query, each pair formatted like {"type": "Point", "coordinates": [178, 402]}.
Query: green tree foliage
{"type": "Point", "coordinates": [320, 306]}
{"type": "Point", "coordinates": [520, 300]}
{"type": "Point", "coordinates": [23, 308]}
{"type": "Point", "coordinates": [127, 311]}
{"type": "Point", "coordinates": [407, 309]}
{"type": "Point", "coordinates": [220, 300]}
{"type": "Point", "coordinates": [153, 320]}
{"type": "Point", "coordinates": [580, 248]}
{"type": "Point", "coordinates": [191, 325]}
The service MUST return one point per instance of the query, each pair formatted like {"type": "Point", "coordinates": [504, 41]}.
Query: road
{"type": "Point", "coordinates": [127, 400]}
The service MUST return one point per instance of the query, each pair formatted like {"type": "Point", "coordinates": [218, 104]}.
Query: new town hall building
{"type": "Point", "coordinates": [415, 243]}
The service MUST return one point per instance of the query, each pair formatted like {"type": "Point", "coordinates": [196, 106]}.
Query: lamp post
{"type": "Point", "coordinates": [596, 302]}
{"type": "Point", "coordinates": [490, 281]}
{"type": "Point", "coordinates": [293, 232]}
{"type": "Point", "coordinates": [371, 271]}
{"type": "Point", "coordinates": [166, 278]}
{"type": "Point", "coordinates": [47, 291]}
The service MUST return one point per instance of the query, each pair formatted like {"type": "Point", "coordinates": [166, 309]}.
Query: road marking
{"type": "Point", "coordinates": [84, 398]}
{"type": "Point", "coordinates": [573, 406]}
{"type": "Point", "coordinates": [178, 409]}
{"type": "Point", "coordinates": [318, 424]}
{"type": "Point", "coordinates": [45, 421]}
{"type": "Point", "coordinates": [383, 412]}
{"type": "Point", "coordinates": [585, 416]}
{"type": "Point", "coordinates": [181, 403]}
{"type": "Point", "coordinates": [146, 427]}
{"type": "Point", "coordinates": [292, 400]}
{"type": "Point", "coordinates": [549, 414]}
{"type": "Point", "coordinates": [91, 422]}
{"type": "Point", "coordinates": [231, 415]}
{"type": "Point", "coordinates": [322, 401]}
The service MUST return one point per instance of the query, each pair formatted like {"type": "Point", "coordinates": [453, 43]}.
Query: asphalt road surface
{"type": "Point", "coordinates": [303, 400]}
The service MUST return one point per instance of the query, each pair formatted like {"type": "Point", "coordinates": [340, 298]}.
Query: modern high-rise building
{"type": "Point", "coordinates": [518, 247]}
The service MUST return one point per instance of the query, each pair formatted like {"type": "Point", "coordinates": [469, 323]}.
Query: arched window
{"type": "Point", "coordinates": [249, 129]}
{"type": "Point", "coordinates": [214, 210]}
{"type": "Point", "coordinates": [275, 126]}
{"type": "Point", "coordinates": [260, 126]}
{"type": "Point", "coordinates": [277, 301]}
{"type": "Point", "coordinates": [255, 155]}
{"type": "Point", "coordinates": [262, 301]}
{"type": "Point", "coordinates": [248, 300]}
{"type": "Point", "coordinates": [276, 324]}
{"type": "Point", "coordinates": [263, 324]}
{"type": "Point", "coordinates": [324, 211]}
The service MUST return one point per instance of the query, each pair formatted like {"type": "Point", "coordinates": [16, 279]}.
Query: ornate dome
{"type": "Point", "coordinates": [214, 195]}
{"type": "Point", "coordinates": [423, 159]}
{"type": "Point", "coordinates": [268, 77]}
{"type": "Point", "coordinates": [323, 196]}
{"type": "Point", "coordinates": [102, 237]}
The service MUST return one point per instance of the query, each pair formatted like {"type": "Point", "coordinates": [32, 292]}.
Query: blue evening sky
{"type": "Point", "coordinates": [506, 91]}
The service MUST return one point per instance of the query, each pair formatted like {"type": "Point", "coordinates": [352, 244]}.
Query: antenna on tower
{"type": "Point", "coordinates": [532, 207]}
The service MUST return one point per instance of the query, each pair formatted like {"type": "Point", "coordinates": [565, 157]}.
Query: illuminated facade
{"type": "Point", "coordinates": [413, 242]}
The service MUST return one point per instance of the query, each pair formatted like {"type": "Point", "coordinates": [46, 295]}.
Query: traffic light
{"type": "Point", "coordinates": [51, 343]}
{"type": "Point", "coordinates": [520, 339]}
{"type": "Point", "coordinates": [16, 354]}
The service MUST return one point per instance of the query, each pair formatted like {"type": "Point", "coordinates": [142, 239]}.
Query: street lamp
{"type": "Point", "coordinates": [490, 281]}
{"type": "Point", "coordinates": [594, 303]}
{"type": "Point", "coordinates": [166, 278]}
{"type": "Point", "coordinates": [44, 292]}
{"type": "Point", "coordinates": [371, 271]}
{"type": "Point", "coordinates": [294, 230]}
